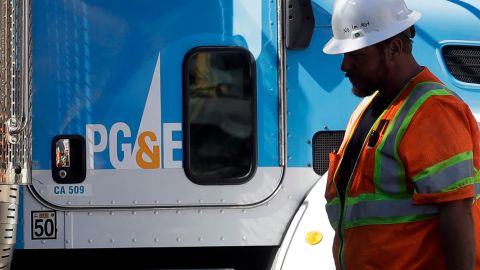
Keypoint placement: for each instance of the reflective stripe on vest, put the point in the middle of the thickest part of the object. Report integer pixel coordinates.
(477, 183)
(448, 175)
(333, 212)
(389, 173)
(368, 211)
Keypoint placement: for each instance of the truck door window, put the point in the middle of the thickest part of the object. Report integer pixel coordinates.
(219, 97)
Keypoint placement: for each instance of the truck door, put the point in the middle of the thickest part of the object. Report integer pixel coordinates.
(155, 103)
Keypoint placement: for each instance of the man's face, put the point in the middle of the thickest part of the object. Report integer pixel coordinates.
(367, 70)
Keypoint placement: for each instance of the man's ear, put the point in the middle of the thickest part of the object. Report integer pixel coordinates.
(395, 48)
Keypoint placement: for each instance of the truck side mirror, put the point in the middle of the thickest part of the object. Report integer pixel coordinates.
(299, 24)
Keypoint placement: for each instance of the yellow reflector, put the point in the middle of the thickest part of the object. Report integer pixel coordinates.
(314, 237)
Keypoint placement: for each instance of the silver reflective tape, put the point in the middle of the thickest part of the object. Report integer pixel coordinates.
(477, 188)
(333, 212)
(444, 178)
(387, 209)
(389, 167)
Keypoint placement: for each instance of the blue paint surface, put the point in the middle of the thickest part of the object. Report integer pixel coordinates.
(94, 60)
(319, 96)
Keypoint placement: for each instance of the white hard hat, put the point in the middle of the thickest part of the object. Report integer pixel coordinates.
(357, 24)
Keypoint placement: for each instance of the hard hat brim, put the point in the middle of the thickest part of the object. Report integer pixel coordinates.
(339, 46)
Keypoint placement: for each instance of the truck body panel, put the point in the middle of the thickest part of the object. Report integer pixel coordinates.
(191, 125)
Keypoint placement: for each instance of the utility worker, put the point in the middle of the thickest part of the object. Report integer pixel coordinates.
(401, 188)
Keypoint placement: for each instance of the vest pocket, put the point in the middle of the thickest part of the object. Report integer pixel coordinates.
(362, 179)
(330, 191)
(368, 166)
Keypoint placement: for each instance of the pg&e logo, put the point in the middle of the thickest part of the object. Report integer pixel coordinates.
(145, 153)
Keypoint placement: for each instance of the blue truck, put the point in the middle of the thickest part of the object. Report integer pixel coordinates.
(184, 134)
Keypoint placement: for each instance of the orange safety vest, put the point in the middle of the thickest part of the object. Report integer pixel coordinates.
(427, 152)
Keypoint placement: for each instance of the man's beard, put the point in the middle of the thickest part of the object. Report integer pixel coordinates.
(368, 87)
(363, 92)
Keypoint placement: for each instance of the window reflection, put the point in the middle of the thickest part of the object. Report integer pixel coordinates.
(62, 153)
(221, 87)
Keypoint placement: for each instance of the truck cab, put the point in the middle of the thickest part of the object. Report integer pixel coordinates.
(184, 134)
